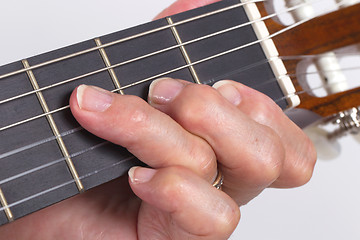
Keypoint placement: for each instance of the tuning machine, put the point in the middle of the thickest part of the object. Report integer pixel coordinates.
(347, 122)
(325, 134)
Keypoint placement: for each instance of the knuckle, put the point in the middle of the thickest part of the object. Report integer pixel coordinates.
(205, 159)
(228, 221)
(269, 158)
(174, 187)
(264, 111)
(132, 120)
(197, 105)
(305, 163)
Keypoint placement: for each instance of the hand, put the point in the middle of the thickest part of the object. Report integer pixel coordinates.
(235, 128)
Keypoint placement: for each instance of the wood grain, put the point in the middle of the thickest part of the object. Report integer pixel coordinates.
(320, 35)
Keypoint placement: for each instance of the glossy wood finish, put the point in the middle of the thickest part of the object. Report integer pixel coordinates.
(320, 35)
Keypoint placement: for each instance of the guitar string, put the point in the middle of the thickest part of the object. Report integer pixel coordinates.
(2, 209)
(82, 177)
(66, 183)
(152, 54)
(170, 71)
(103, 143)
(49, 164)
(209, 82)
(84, 151)
(293, 75)
(11, 205)
(169, 26)
(316, 56)
(342, 2)
(115, 90)
(38, 143)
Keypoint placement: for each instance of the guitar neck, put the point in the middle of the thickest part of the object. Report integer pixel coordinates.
(47, 157)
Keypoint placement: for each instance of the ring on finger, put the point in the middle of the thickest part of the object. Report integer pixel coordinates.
(219, 180)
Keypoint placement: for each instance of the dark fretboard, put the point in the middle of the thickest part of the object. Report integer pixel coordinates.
(35, 164)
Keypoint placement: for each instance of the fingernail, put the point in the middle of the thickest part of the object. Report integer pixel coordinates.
(141, 175)
(228, 91)
(164, 90)
(93, 99)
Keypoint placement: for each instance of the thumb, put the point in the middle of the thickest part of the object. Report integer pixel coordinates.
(189, 205)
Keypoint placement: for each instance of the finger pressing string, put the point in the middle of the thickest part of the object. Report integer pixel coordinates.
(149, 134)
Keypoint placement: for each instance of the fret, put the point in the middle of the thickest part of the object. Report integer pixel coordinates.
(248, 66)
(146, 67)
(108, 64)
(51, 158)
(272, 54)
(18, 110)
(102, 155)
(6, 207)
(58, 96)
(22, 193)
(183, 50)
(25, 150)
(53, 127)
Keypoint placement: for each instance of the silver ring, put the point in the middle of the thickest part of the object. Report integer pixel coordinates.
(219, 180)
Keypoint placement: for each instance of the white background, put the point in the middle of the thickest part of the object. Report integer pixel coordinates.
(326, 208)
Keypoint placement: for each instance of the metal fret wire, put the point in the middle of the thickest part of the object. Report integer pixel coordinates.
(82, 177)
(65, 184)
(104, 143)
(52, 163)
(158, 75)
(130, 38)
(152, 54)
(114, 90)
(32, 145)
(87, 175)
(78, 129)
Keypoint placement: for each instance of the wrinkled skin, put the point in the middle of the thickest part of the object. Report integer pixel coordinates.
(235, 128)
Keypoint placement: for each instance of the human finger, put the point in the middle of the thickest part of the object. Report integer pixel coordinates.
(181, 205)
(183, 5)
(300, 153)
(251, 154)
(150, 135)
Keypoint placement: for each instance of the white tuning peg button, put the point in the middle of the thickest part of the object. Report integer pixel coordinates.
(357, 137)
(327, 149)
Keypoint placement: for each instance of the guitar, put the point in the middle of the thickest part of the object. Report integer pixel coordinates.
(310, 101)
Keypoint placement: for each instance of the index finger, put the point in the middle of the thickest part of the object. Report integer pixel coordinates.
(152, 136)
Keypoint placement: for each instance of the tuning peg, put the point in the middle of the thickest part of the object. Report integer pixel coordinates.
(357, 137)
(327, 149)
(346, 3)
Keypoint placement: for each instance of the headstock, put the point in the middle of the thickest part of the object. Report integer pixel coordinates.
(316, 40)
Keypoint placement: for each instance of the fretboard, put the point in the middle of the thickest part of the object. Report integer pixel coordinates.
(46, 157)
